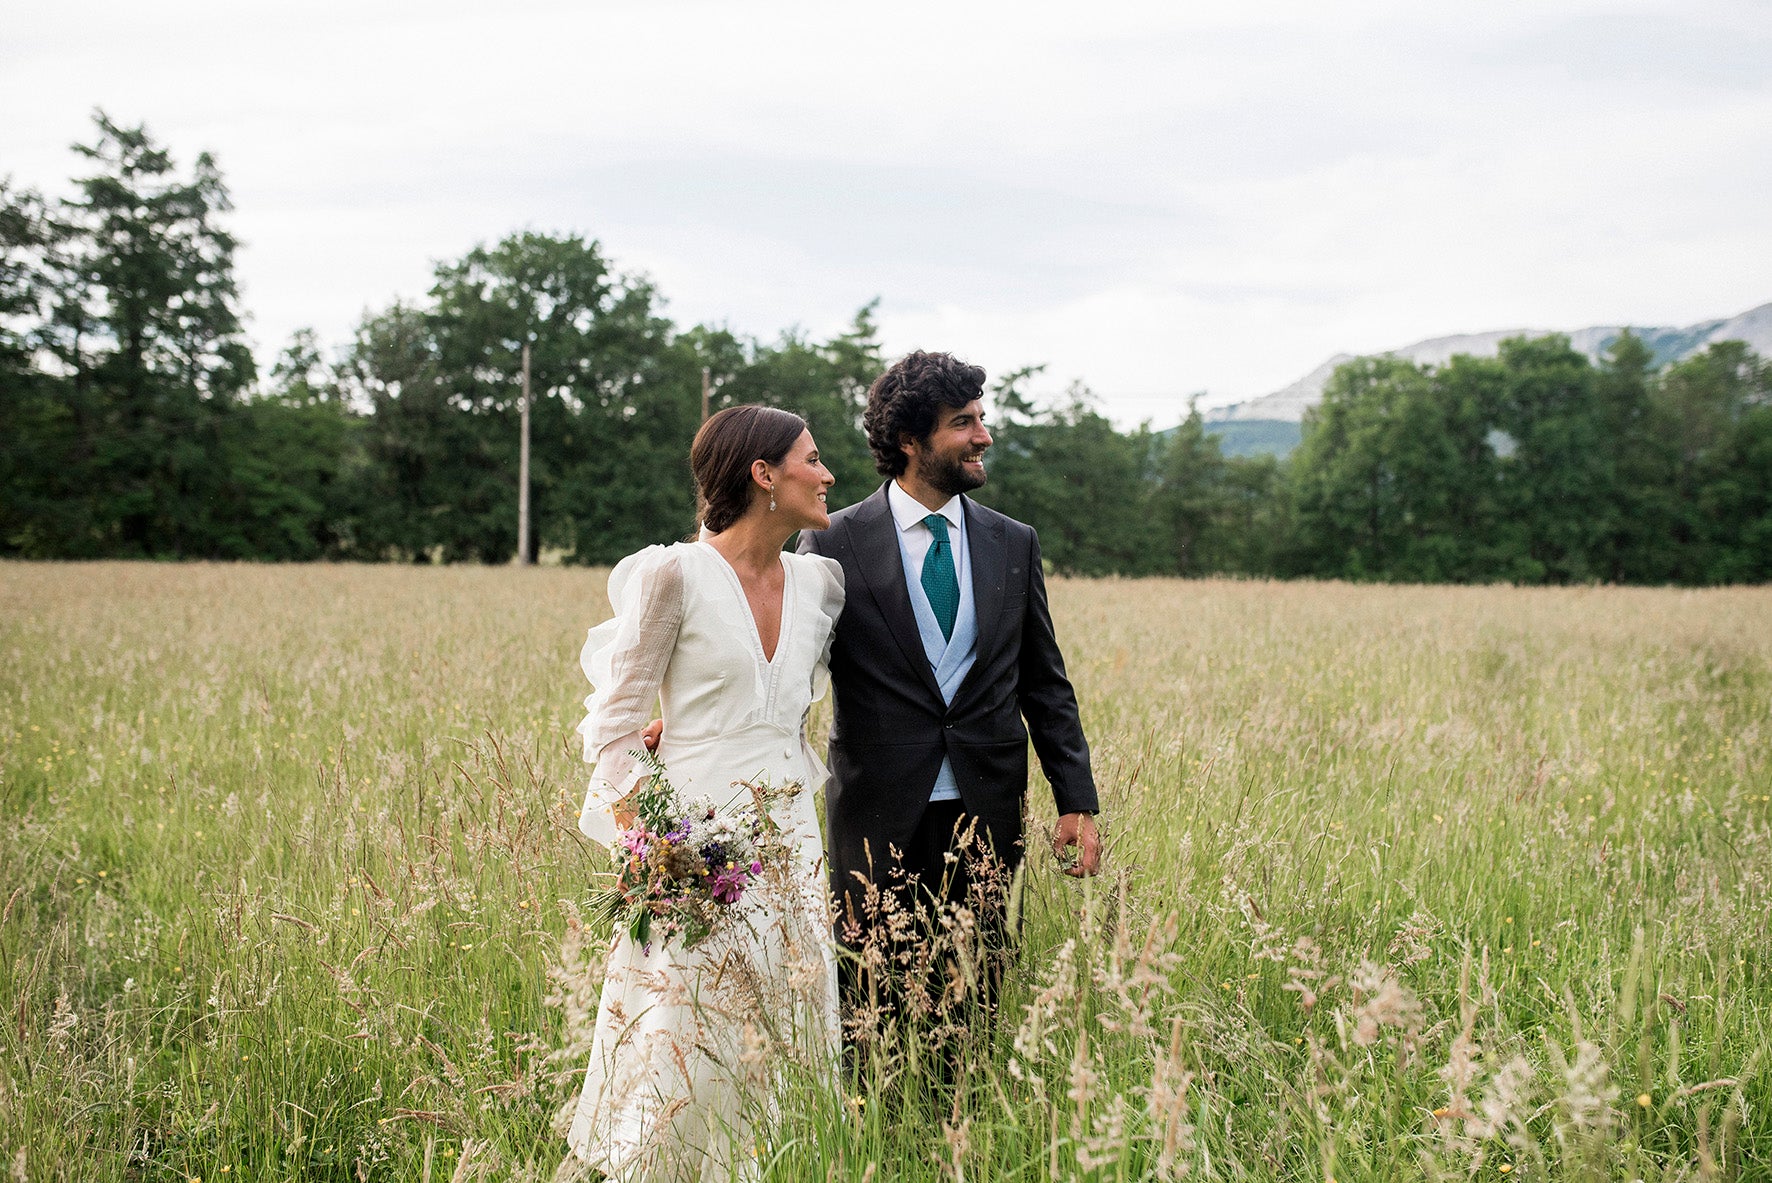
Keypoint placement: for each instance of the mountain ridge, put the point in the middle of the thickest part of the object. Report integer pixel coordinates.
(1666, 344)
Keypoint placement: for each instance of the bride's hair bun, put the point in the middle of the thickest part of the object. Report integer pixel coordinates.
(722, 454)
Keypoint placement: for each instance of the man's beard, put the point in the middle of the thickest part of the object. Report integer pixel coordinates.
(946, 474)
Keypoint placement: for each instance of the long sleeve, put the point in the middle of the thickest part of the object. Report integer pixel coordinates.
(625, 658)
(830, 606)
(1049, 704)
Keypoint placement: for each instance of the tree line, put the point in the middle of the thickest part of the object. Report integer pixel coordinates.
(135, 423)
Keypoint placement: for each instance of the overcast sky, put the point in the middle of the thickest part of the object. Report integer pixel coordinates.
(1157, 199)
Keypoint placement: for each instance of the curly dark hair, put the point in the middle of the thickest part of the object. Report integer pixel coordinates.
(722, 454)
(906, 400)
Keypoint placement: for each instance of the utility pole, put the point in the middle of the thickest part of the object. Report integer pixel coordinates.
(706, 390)
(524, 558)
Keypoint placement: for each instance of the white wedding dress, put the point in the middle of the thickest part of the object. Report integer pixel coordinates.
(690, 1043)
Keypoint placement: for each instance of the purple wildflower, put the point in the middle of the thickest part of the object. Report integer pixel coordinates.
(728, 884)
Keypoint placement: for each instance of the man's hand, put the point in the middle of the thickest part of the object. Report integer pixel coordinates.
(650, 736)
(1078, 829)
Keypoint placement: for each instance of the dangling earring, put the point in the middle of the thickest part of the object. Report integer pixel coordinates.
(771, 498)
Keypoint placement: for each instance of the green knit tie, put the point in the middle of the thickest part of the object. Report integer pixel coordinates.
(940, 583)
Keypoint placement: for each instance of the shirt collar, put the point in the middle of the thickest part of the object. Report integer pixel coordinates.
(907, 511)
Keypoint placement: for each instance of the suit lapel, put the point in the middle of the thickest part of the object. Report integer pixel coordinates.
(882, 569)
(988, 555)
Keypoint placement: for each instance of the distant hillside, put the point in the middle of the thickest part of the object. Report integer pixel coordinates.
(1255, 437)
(1289, 403)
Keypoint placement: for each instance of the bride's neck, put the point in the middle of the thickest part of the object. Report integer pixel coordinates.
(751, 545)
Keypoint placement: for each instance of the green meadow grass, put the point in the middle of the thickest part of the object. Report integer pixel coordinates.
(1402, 883)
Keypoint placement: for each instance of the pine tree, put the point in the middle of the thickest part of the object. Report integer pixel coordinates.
(144, 330)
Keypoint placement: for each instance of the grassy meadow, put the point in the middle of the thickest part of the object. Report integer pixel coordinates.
(1402, 883)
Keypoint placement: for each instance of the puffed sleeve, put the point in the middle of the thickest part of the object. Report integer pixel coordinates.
(829, 584)
(830, 606)
(625, 658)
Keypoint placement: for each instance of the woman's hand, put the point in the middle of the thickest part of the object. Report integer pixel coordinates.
(624, 813)
(624, 809)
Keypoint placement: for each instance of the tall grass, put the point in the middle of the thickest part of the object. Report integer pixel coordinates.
(1402, 883)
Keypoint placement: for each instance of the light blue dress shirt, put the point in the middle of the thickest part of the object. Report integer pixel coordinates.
(949, 657)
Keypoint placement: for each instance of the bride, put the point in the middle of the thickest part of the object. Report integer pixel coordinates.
(731, 634)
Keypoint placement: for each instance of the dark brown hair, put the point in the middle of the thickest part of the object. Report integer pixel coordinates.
(908, 398)
(722, 454)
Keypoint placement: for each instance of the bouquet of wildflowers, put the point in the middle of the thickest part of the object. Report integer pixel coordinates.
(681, 864)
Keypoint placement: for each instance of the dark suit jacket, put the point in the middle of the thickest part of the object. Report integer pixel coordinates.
(891, 728)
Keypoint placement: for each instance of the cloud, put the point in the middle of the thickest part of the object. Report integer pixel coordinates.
(1156, 198)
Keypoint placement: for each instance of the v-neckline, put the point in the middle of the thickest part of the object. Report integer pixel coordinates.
(744, 601)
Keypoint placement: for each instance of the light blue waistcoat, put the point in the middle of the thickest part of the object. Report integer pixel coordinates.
(950, 658)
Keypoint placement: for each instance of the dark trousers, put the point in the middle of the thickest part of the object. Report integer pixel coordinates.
(929, 949)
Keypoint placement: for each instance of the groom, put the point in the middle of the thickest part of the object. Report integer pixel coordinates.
(944, 662)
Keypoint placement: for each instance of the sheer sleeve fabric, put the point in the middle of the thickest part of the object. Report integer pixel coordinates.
(625, 658)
